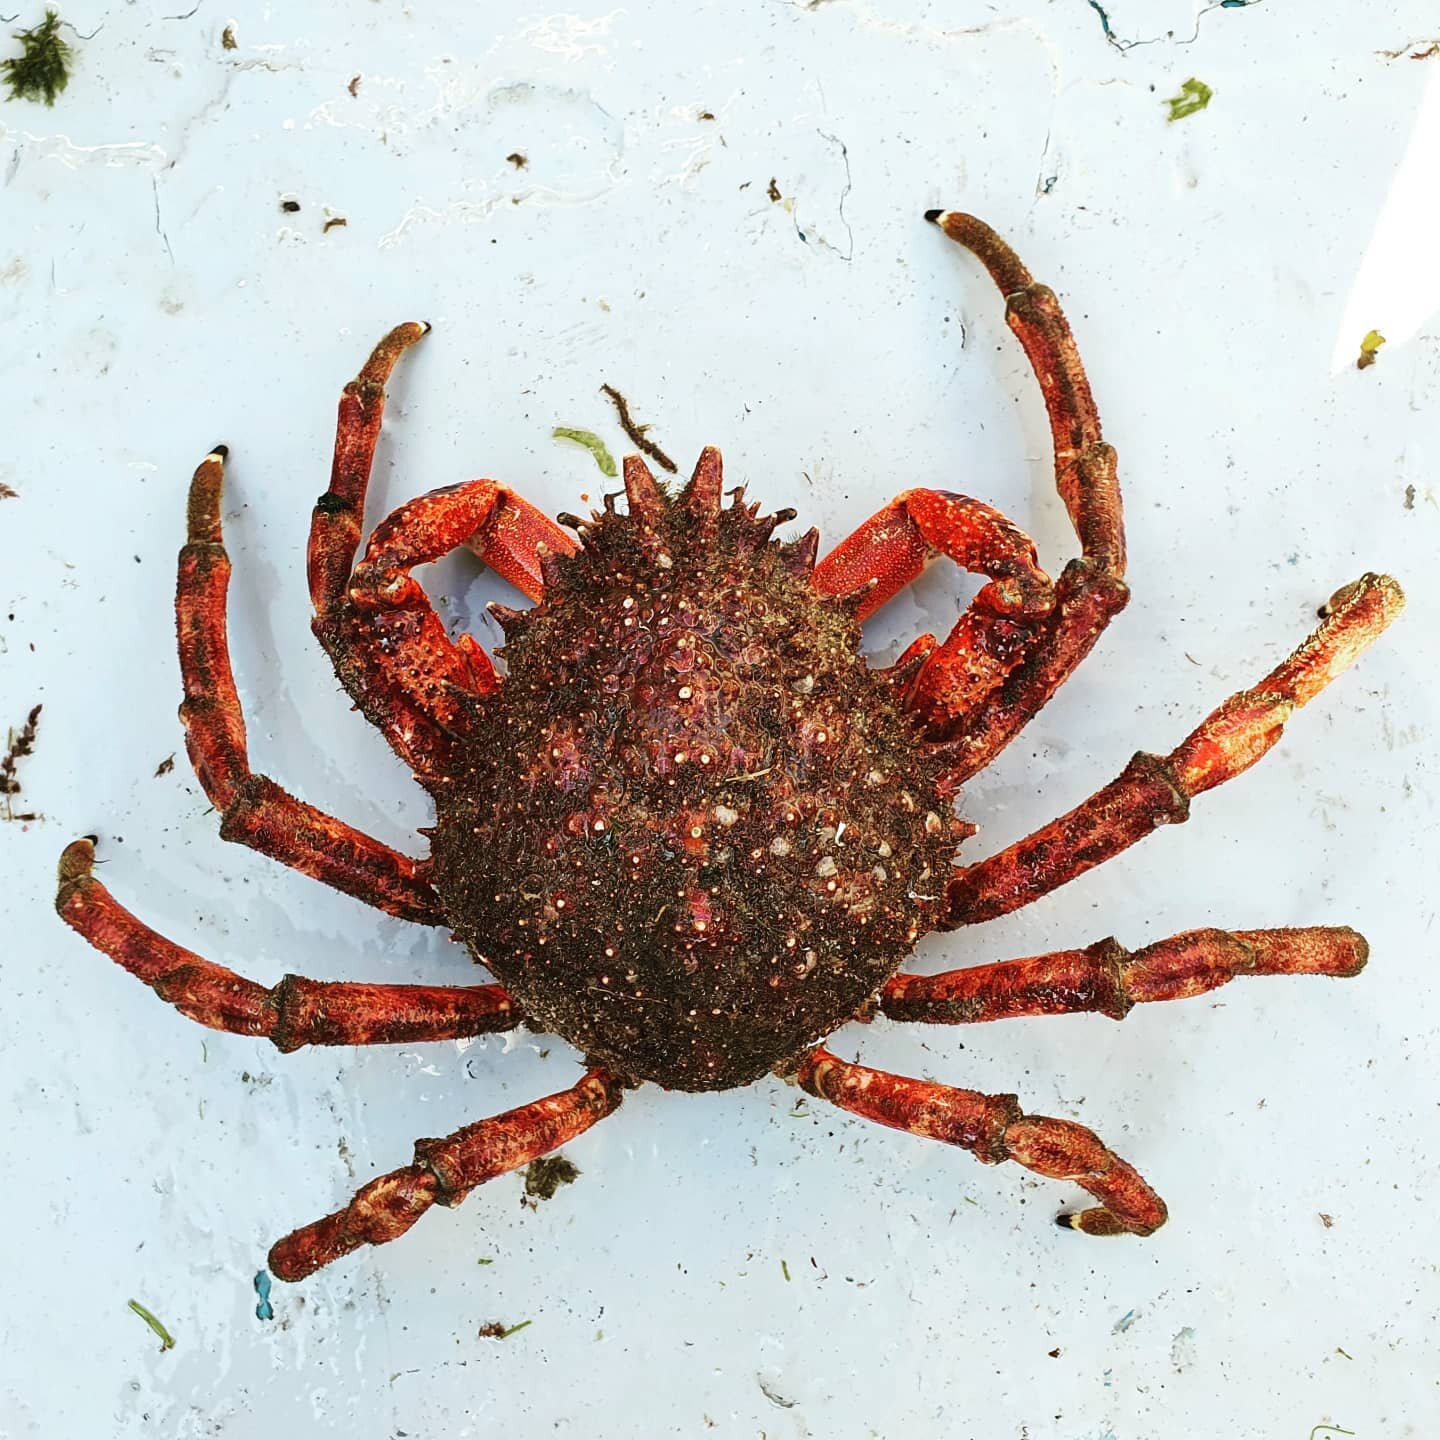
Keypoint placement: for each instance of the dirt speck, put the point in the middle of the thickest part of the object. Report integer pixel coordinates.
(290, 207)
(165, 766)
(354, 86)
(227, 38)
(773, 191)
(518, 158)
(332, 223)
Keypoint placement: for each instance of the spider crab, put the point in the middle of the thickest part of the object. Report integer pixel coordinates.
(691, 830)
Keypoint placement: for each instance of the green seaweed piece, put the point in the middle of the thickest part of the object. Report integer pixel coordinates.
(42, 69)
(593, 443)
(167, 1340)
(1333, 1429)
(545, 1176)
(1194, 95)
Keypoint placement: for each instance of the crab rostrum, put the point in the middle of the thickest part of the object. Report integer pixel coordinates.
(691, 829)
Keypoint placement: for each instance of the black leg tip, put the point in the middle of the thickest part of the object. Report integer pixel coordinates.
(221, 450)
(933, 216)
(1066, 1221)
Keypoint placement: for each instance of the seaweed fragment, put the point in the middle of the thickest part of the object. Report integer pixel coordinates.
(637, 434)
(18, 745)
(42, 69)
(1194, 95)
(1369, 349)
(167, 1340)
(545, 1176)
(498, 1330)
(593, 443)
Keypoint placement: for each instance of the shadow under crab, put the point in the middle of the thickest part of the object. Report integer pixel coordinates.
(691, 830)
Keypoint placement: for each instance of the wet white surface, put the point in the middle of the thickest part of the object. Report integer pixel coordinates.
(1219, 272)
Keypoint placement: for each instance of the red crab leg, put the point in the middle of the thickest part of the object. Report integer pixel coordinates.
(1156, 790)
(445, 1172)
(891, 548)
(390, 649)
(255, 810)
(994, 1128)
(1110, 980)
(1091, 589)
(293, 1013)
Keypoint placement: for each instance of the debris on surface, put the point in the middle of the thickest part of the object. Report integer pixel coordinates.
(6, 493)
(290, 207)
(1125, 1322)
(264, 1310)
(593, 443)
(775, 1399)
(332, 222)
(1329, 1429)
(637, 434)
(1123, 45)
(167, 1340)
(1194, 95)
(1326, 1220)
(1414, 50)
(518, 158)
(785, 1269)
(545, 1176)
(1409, 497)
(165, 766)
(706, 115)
(42, 69)
(1369, 349)
(227, 38)
(1182, 1350)
(496, 1330)
(354, 86)
(18, 745)
(773, 191)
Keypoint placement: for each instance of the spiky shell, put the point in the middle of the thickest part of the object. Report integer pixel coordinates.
(693, 831)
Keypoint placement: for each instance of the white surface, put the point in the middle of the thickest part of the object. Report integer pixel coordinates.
(154, 300)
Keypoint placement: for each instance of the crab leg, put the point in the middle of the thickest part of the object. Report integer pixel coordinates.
(291, 1014)
(993, 1128)
(445, 1172)
(255, 811)
(1110, 980)
(390, 649)
(1156, 790)
(890, 550)
(1091, 590)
